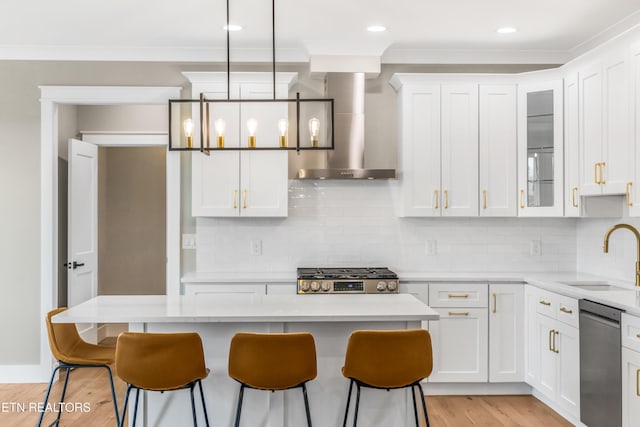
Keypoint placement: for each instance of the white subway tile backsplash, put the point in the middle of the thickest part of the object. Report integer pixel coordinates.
(349, 223)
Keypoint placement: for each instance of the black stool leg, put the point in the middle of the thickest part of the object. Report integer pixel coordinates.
(204, 406)
(424, 404)
(135, 407)
(239, 410)
(193, 406)
(46, 396)
(64, 392)
(346, 411)
(415, 407)
(355, 416)
(113, 392)
(306, 404)
(124, 406)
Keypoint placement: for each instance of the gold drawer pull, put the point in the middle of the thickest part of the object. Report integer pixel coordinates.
(458, 295)
(602, 165)
(627, 196)
(235, 199)
(446, 199)
(495, 303)
(484, 199)
(543, 302)
(574, 190)
(638, 382)
(595, 173)
(244, 198)
(550, 347)
(437, 197)
(458, 313)
(555, 349)
(521, 199)
(566, 310)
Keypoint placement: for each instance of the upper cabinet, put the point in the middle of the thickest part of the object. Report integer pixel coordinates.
(606, 145)
(632, 188)
(243, 183)
(540, 149)
(571, 146)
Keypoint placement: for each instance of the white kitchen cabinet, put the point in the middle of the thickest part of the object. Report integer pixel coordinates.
(540, 149)
(531, 359)
(632, 187)
(242, 183)
(497, 150)
(571, 146)
(630, 388)
(506, 332)
(605, 126)
(459, 150)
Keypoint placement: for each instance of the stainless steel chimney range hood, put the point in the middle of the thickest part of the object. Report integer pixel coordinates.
(346, 161)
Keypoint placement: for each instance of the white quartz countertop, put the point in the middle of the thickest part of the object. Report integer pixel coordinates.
(247, 308)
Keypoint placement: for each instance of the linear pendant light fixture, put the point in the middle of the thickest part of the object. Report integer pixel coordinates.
(254, 115)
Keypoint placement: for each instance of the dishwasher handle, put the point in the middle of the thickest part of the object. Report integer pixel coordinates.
(599, 319)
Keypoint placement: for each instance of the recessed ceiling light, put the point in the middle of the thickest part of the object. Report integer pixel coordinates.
(376, 28)
(232, 27)
(507, 30)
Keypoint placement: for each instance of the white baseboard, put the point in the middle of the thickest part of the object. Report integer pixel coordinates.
(10, 374)
(439, 389)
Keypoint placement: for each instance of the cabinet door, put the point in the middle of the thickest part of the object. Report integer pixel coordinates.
(591, 135)
(548, 373)
(567, 346)
(571, 147)
(418, 290)
(532, 336)
(460, 150)
(540, 149)
(498, 140)
(215, 184)
(630, 388)
(263, 184)
(618, 147)
(506, 331)
(459, 345)
(420, 150)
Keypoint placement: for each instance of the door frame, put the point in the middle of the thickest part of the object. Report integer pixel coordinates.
(51, 98)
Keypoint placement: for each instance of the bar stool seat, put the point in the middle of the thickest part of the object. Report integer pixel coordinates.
(272, 362)
(161, 362)
(367, 364)
(72, 352)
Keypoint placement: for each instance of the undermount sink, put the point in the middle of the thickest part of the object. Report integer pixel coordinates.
(594, 286)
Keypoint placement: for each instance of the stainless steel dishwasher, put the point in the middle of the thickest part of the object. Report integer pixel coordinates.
(600, 365)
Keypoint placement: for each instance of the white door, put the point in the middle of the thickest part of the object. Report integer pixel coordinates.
(571, 147)
(591, 134)
(630, 388)
(547, 359)
(506, 331)
(567, 347)
(82, 259)
(460, 150)
(498, 141)
(263, 184)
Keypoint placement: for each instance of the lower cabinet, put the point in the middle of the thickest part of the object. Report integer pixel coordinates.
(506, 332)
(630, 388)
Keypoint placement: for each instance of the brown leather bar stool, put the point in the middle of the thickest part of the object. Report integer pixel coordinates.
(72, 352)
(161, 362)
(272, 362)
(367, 363)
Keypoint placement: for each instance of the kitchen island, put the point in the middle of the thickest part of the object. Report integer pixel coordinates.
(330, 318)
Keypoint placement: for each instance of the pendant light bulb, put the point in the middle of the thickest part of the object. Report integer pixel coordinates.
(283, 125)
(219, 126)
(188, 132)
(252, 125)
(314, 129)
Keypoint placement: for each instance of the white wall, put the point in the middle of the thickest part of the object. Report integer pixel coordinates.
(349, 223)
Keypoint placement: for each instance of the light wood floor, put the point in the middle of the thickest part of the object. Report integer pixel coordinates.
(91, 385)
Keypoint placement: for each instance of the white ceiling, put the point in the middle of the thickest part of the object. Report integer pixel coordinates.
(418, 30)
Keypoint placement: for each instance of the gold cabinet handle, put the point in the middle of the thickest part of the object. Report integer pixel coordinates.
(446, 199)
(574, 190)
(484, 199)
(555, 349)
(602, 165)
(521, 198)
(550, 333)
(543, 302)
(458, 313)
(627, 195)
(495, 303)
(437, 198)
(595, 173)
(638, 382)
(458, 295)
(566, 310)
(235, 199)
(244, 198)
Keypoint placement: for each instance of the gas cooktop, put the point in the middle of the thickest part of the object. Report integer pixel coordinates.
(372, 280)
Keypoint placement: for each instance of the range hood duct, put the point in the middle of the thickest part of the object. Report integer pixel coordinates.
(346, 161)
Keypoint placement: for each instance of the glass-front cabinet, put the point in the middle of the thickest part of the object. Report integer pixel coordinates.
(540, 149)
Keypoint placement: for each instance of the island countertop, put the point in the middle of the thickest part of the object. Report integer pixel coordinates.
(247, 308)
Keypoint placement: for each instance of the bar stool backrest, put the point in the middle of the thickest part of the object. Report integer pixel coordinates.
(160, 362)
(272, 361)
(63, 337)
(389, 359)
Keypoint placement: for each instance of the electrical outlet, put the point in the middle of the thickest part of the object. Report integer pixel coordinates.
(256, 247)
(188, 241)
(536, 247)
(430, 247)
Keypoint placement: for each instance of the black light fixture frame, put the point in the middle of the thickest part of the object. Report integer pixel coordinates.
(205, 146)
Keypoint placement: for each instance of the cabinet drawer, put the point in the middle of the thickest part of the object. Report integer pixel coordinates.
(631, 332)
(567, 310)
(547, 303)
(458, 294)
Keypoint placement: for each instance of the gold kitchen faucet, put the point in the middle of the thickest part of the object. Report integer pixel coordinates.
(635, 233)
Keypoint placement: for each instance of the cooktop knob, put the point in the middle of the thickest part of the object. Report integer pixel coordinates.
(392, 286)
(304, 286)
(381, 286)
(326, 286)
(315, 286)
